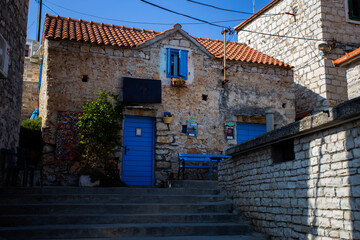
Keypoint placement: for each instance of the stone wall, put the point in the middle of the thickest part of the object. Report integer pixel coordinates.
(353, 79)
(30, 95)
(319, 83)
(13, 21)
(251, 89)
(316, 195)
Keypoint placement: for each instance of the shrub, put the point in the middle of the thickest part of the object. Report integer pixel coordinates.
(99, 127)
(31, 137)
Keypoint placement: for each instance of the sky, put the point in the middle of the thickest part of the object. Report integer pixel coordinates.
(137, 14)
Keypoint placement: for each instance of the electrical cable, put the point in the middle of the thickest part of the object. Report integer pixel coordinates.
(151, 23)
(37, 1)
(202, 21)
(181, 14)
(30, 25)
(50, 9)
(282, 36)
(230, 10)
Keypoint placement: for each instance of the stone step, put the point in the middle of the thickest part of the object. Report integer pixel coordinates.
(109, 198)
(57, 219)
(134, 208)
(252, 236)
(124, 230)
(194, 184)
(6, 191)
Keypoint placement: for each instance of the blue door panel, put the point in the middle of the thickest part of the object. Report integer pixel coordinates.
(137, 168)
(247, 131)
(138, 161)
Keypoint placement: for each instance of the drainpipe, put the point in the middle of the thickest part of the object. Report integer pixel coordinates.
(269, 113)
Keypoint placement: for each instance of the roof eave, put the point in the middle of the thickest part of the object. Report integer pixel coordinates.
(347, 59)
(255, 15)
(177, 28)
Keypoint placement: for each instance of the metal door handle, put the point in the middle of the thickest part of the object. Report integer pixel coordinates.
(126, 149)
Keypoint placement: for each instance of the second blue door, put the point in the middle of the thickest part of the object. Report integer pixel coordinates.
(247, 131)
(138, 151)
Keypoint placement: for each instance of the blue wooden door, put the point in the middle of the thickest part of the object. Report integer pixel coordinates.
(138, 151)
(247, 131)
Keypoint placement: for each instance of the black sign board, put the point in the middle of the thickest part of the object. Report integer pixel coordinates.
(136, 90)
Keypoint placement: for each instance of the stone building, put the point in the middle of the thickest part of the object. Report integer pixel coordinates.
(351, 62)
(301, 181)
(13, 21)
(81, 57)
(30, 93)
(332, 26)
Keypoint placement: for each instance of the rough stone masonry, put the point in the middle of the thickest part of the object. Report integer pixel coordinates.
(251, 89)
(315, 195)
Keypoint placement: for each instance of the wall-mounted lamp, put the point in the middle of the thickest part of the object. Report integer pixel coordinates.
(326, 47)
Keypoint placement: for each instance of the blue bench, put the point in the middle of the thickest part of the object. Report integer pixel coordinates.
(188, 160)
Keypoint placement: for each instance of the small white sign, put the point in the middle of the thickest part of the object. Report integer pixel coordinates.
(138, 132)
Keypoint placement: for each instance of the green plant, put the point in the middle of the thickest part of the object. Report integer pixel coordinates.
(99, 127)
(31, 138)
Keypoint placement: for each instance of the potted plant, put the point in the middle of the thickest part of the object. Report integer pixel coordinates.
(178, 82)
(167, 117)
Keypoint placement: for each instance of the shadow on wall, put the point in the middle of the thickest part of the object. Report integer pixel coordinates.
(352, 145)
(313, 193)
(306, 99)
(333, 193)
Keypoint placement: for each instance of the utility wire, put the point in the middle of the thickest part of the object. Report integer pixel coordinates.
(37, 1)
(230, 10)
(151, 23)
(50, 9)
(201, 21)
(181, 14)
(282, 36)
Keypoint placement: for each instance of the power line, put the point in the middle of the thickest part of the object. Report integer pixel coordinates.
(151, 23)
(31, 25)
(282, 36)
(197, 19)
(229, 10)
(181, 14)
(50, 9)
(37, 1)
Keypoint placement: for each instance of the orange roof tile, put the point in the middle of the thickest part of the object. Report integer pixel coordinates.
(238, 52)
(57, 27)
(255, 15)
(349, 57)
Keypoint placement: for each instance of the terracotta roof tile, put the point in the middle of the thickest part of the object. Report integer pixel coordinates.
(238, 52)
(56, 27)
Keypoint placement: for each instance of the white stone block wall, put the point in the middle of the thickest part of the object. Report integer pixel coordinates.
(315, 196)
(353, 79)
(319, 83)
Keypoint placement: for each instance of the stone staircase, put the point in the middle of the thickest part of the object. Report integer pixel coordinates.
(188, 210)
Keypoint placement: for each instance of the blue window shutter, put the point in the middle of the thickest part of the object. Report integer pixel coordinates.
(168, 66)
(183, 64)
(41, 67)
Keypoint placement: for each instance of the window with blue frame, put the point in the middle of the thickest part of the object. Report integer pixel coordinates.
(177, 63)
(354, 9)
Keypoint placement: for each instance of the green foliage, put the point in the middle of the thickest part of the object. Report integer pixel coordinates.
(99, 127)
(32, 124)
(31, 138)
